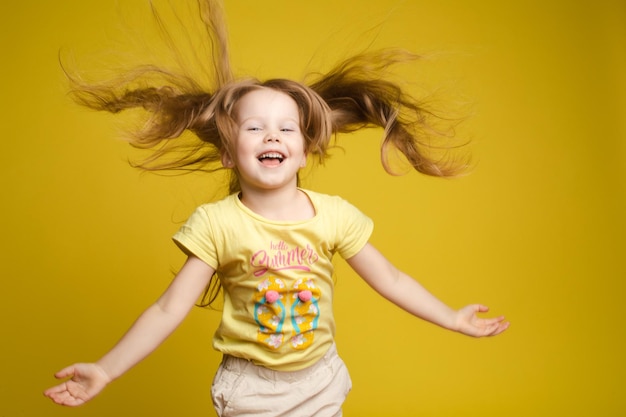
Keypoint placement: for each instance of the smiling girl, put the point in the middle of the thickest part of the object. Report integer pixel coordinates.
(269, 245)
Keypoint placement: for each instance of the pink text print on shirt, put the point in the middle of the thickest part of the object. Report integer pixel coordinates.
(281, 256)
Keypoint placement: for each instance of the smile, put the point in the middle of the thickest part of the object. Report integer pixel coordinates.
(271, 156)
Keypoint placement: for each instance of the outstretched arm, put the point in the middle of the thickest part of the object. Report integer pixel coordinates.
(408, 294)
(154, 325)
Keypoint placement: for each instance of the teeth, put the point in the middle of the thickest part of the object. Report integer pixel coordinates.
(271, 155)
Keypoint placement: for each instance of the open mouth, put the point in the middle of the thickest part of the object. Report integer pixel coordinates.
(271, 158)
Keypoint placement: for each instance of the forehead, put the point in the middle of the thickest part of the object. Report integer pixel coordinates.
(266, 102)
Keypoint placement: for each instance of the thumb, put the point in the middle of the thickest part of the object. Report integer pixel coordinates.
(479, 308)
(65, 372)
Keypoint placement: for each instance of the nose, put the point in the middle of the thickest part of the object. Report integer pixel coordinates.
(272, 137)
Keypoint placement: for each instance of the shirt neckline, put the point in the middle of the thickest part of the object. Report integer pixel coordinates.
(260, 218)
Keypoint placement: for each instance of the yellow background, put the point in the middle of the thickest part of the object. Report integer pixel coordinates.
(537, 232)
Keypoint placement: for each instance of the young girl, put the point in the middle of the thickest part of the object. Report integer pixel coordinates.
(269, 244)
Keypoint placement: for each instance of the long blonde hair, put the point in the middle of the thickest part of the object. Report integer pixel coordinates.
(353, 95)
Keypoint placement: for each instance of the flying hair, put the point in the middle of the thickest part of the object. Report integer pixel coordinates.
(356, 94)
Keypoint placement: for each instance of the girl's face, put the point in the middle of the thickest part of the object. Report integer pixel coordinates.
(268, 149)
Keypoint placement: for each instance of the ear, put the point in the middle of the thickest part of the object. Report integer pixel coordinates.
(304, 158)
(227, 161)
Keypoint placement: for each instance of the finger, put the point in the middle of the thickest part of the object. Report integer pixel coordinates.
(502, 327)
(58, 394)
(498, 328)
(61, 395)
(481, 308)
(72, 401)
(65, 372)
(53, 391)
(60, 398)
(67, 399)
(489, 326)
(493, 320)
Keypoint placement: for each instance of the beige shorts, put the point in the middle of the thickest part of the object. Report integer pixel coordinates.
(241, 388)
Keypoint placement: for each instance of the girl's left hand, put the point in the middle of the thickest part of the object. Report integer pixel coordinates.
(470, 324)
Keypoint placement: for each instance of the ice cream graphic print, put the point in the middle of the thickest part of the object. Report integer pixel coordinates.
(286, 300)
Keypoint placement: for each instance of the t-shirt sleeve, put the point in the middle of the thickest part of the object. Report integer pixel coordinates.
(196, 237)
(354, 229)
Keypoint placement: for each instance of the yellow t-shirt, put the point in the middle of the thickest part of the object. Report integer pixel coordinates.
(276, 276)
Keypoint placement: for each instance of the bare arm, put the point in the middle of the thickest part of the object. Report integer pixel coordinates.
(154, 325)
(408, 294)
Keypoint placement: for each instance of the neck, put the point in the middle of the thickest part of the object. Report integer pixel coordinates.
(284, 204)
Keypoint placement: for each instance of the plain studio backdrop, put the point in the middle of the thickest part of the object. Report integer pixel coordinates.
(537, 231)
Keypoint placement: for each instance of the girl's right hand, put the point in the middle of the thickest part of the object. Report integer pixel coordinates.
(86, 381)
